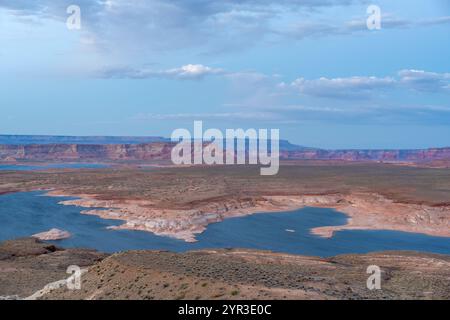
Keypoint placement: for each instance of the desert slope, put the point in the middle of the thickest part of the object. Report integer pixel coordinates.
(26, 266)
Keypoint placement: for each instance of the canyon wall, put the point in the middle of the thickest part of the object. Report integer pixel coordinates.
(424, 155)
(162, 151)
(48, 139)
(94, 152)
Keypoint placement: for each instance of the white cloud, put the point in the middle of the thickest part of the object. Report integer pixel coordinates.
(368, 86)
(425, 81)
(144, 28)
(309, 29)
(186, 72)
(264, 88)
(208, 116)
(352, 87)
(155, 25)
(193, 71)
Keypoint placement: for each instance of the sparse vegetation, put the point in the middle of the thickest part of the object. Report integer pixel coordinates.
(235, 293)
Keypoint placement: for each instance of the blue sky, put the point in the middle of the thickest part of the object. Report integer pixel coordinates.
(308, 67)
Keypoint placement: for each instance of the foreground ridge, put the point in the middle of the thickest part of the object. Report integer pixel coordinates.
(219, 274)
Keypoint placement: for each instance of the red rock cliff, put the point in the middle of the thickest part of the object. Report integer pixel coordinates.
(162, 151)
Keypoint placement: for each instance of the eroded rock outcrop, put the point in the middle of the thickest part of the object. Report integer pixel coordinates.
(365, 211)
(94, 152)
(28, 265)
(52, 234)
(162, 151)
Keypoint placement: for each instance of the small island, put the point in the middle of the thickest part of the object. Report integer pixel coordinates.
(52, 234)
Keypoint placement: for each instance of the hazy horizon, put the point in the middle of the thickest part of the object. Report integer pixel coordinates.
(312, 69)
(168, 138)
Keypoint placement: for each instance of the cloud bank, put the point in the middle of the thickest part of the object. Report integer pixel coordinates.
(186, 72)
(206, 25)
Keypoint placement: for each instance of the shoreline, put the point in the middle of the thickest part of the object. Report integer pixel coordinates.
(365, 211)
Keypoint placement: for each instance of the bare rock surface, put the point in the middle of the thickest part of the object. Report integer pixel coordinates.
(249, 274)
(52, 234)
(182, 202)
(27, 265)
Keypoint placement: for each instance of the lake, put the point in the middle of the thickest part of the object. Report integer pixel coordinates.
(13, 167)
(26, 213)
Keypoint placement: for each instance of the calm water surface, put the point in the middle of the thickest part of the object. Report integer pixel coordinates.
(27, 213)
(52, 166)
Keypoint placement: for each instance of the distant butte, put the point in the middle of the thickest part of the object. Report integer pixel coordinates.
(104, 148)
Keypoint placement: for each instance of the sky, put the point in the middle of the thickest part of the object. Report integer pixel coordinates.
(310, 68)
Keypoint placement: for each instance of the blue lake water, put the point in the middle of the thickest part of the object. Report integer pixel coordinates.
(27, 213)
(13, 167)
